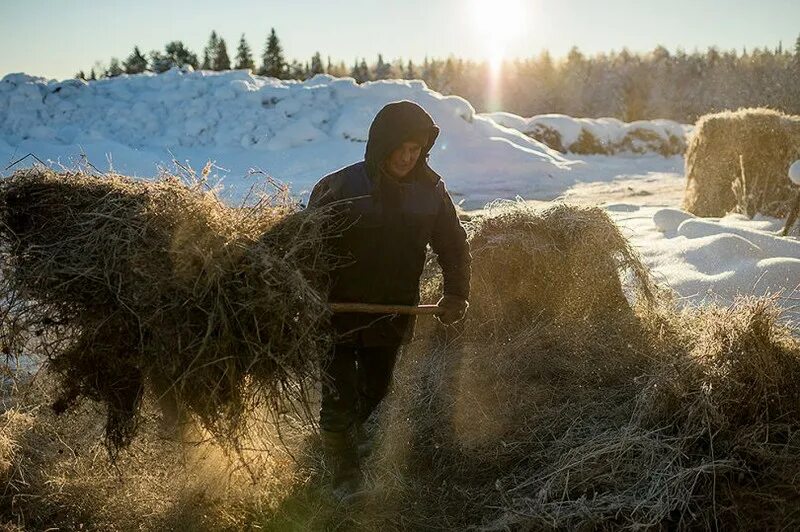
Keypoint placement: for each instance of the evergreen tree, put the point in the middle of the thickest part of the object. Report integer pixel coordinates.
(178, 55)
(114, 68)
(210, 51)
(136, 63)
(92, 75)
(296, 70)
(382, 70)
(449, 76)
(159, 62)
(221, 59)
(316, 65)
(411, 71)
(273, 63)
(244, 57)
(80, 75)
(797, 50)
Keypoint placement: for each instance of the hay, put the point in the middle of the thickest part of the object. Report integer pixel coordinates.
(642, 140)
(574, 396)
(584, 406)
(588, 144)
(548, 136)
(738, 161)
(132, 285)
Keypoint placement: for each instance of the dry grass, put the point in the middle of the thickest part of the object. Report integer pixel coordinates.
(574, 396)
(739, 160)
(62, 477)
(126, 285)
(611, 417)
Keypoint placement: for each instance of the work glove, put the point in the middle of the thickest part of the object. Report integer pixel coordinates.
(454, 309)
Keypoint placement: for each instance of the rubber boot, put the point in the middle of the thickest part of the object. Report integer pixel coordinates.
(342, 459)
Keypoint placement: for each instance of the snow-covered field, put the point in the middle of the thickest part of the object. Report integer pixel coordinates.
(299, 131)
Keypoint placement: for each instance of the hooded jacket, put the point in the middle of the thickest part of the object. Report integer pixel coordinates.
(388, 224)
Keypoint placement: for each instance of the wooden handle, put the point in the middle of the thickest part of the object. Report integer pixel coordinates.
(370, 308)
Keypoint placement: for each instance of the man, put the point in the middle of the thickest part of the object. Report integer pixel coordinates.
(393, 206)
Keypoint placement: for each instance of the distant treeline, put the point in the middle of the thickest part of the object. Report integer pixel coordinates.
(630, 86)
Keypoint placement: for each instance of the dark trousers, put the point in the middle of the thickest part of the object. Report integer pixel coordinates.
(357, 379)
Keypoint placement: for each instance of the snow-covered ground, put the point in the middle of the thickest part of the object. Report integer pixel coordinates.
(706, 260)
(605, 135)
(299, 131)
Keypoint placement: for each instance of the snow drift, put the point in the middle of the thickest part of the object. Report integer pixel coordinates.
(606, 136)
(295, 131)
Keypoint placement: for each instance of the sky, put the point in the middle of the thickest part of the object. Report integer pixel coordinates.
(56, 38)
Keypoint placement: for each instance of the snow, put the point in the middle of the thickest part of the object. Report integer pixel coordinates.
(610, 132)
(299, 131)
(794, 172)
(715, 259)
(293, 131)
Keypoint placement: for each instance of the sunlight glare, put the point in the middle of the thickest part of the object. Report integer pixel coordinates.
(497, 22)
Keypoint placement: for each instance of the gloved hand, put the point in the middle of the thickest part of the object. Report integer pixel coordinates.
(454, 309)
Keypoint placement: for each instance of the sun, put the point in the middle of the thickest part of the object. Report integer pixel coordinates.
(497, 22)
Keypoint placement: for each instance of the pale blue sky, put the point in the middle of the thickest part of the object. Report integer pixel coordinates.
(56, 38)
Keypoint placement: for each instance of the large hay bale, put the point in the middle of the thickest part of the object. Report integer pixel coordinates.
(759, 143)
(571, 408)
(131, 282)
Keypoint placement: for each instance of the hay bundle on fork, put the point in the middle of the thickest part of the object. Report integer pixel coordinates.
(738, 161)
(132, 282)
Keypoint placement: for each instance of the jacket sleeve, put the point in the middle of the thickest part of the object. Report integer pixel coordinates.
(449, 242)
(322, 194)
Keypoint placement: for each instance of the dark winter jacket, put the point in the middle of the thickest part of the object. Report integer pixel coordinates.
(388, 225)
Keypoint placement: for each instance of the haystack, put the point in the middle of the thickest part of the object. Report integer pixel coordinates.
(738, 161)
(134, 286)
(567, 401)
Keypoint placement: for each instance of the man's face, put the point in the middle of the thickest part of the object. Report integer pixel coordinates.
(403, 159)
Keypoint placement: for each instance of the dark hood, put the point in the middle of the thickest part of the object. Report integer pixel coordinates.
(394, 124)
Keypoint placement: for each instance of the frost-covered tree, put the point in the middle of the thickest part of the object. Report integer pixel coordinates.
(210, 51)
(430, 73)
(338, 70)
(244, 57)
(136, 63)
(221, 59)
(273, 63)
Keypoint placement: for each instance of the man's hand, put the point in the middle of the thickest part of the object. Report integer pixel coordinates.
(454, 309)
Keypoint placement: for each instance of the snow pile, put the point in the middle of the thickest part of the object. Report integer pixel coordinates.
(295, 131)
(706, 259)
(605, 136)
